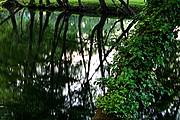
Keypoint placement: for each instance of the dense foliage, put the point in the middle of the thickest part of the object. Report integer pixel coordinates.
(135, 84)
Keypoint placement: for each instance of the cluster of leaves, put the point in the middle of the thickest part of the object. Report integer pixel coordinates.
(134, 82)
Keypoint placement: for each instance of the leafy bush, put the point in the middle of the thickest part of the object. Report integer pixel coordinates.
(134, 83)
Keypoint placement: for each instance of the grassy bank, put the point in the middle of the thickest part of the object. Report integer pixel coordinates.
(89, 6)
(108, 2)
(96, 2)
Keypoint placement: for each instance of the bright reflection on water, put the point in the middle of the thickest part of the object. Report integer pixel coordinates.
(50, 62)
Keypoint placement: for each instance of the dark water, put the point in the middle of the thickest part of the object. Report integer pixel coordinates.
(49, 62)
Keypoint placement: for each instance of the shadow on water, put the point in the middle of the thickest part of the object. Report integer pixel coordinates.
(50, 61)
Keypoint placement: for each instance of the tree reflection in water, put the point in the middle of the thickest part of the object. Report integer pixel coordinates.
(49, 62)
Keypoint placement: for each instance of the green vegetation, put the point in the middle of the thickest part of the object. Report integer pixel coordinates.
(95, 5)
(2, 2)
(108, 2)
(142, 78)
(145, 70)
(36, 40)
(96, 2)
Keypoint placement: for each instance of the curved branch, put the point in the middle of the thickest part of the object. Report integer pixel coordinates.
(127, 7)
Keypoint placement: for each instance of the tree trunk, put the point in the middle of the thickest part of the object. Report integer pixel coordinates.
(13, 19)
(127, 7)
(80, 4)
(103, 5)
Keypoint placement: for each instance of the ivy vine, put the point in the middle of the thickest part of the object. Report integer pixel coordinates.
(134, 83)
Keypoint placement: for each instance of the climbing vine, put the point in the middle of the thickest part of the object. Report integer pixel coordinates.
(134, 84)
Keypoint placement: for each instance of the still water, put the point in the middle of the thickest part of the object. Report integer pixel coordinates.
(51, 60)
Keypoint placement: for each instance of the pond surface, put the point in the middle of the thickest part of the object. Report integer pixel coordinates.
(51, 60)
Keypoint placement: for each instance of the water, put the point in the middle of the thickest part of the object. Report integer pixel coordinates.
(50, 62)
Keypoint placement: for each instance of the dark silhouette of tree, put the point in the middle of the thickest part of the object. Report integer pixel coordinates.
(103, 5)
(99, 28)
(126, 5)
(80, 4)
(13, 19)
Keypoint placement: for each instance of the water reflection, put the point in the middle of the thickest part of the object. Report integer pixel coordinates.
(49, 62)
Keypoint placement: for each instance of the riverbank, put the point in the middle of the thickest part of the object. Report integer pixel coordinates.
(86, 7)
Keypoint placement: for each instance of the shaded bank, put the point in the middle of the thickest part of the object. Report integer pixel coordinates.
(113, 10)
